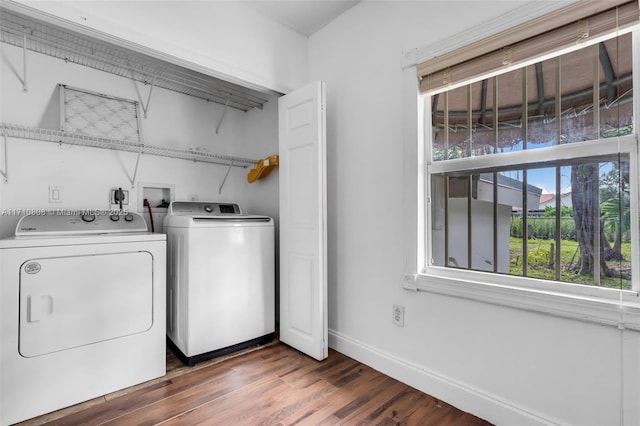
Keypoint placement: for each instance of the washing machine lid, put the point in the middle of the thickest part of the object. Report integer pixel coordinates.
(187, 221)
(202, 214)
(80, 222)
(203, 208)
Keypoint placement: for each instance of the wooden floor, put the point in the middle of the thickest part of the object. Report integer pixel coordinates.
(273, 385)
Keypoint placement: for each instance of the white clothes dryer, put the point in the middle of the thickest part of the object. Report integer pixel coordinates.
(220, 279)
(82, 299)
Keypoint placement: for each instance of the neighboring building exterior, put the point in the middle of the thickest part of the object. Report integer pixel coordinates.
(550, 200)
(509, 199)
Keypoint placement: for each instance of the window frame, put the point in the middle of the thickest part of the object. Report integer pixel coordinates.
(607, 306)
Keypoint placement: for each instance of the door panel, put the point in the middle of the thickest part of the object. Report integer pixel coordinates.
(303, 268)
(66, 302)
(301, 297)
(303, 202)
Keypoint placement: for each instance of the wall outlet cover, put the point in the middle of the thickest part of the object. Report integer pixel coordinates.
(398, 315)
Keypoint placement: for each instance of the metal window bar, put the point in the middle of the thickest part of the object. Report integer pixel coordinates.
(558, 217)
(525, 192)
(525, 225)
(469, 153)
(495, 222)
(469, 222)
(495, 175)
(525, 109)
(596, 125)
(446, 125)
(470, 121)
(446, 220)
(596, 244)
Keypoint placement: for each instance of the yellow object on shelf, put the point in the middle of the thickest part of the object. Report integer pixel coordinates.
(263, 168)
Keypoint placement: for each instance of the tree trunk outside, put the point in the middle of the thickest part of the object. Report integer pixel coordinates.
(585, 186)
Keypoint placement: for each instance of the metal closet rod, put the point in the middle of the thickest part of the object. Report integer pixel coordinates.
(59, 136)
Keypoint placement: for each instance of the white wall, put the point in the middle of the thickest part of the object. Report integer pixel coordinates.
(509, 366)
(505, 365)
(220, 38)
(85, 175)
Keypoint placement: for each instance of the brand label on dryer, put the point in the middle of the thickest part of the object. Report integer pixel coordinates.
(32, 268)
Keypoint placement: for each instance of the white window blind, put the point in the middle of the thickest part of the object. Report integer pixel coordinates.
(582, 23)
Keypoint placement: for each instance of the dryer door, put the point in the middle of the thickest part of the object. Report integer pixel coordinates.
(67, 302)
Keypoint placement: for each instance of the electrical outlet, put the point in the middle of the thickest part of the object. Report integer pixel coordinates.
(55, 194)
(113, 196)
(398, 315)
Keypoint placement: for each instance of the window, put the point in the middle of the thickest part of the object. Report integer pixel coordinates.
(532, 167)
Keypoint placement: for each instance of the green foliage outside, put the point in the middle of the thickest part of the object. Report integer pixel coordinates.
(541, 265)
(565, 211)
(616, 214)
(544, 228)
(542, 245)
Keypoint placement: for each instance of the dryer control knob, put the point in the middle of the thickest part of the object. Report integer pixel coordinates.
(128, 218)
(208, 208)
(88, 218)
(115, 217)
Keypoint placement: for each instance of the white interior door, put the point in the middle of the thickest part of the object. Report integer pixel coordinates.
(303, 214)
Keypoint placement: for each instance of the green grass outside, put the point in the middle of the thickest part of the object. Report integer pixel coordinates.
(539, 266)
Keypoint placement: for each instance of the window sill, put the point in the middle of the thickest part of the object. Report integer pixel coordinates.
(582, 303)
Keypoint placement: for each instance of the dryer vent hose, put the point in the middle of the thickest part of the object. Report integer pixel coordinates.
(146, 203)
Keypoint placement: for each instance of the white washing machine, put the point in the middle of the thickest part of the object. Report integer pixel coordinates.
(220, 279)
(82, 299)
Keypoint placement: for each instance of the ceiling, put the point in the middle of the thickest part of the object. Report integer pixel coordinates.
(304, 16)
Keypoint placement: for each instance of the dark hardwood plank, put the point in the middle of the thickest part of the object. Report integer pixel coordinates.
(295, 401)
(403, 404)
(272, 385)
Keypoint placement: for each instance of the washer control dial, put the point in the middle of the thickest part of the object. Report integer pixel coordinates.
(88, 218)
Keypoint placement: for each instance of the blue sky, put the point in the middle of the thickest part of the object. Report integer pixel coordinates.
(545, 179)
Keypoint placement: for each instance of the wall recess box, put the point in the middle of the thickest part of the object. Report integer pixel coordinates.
(158, 194)
(55, 194)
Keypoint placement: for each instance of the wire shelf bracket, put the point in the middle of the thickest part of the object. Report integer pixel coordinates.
(5, 166)
(226, 105)
(224, 179)
(145, 107)
(24, 63)
(132, 179)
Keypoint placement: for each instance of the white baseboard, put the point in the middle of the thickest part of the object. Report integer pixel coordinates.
(475, 401)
